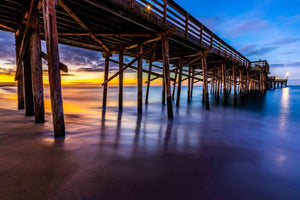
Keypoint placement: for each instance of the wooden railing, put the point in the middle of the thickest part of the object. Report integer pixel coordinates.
(170, 15)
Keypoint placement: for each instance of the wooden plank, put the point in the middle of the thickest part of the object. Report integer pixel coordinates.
(73, 15)
(51, 38)
(36, 66)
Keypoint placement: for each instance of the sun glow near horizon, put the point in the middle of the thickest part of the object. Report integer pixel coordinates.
(75, 78)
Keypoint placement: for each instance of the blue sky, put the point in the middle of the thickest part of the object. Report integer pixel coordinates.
(259, 29)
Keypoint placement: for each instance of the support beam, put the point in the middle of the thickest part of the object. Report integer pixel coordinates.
(179, 82)
(174, 84)
(24, 41)
(130, 63)
(241, 82)
(163, 91)
(51, 39)
(62, 66)
(74, 16)
(234, 80)
(29, 105)
(193, 81)
(189, 84)
(149, 77)
(166, 65)
(121, 62)
(224, 80)
(20, 84)
(106, 68)
(36, 66)
(140, 78)
(205, 85)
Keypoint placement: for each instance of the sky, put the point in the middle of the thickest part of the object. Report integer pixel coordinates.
(259, 29)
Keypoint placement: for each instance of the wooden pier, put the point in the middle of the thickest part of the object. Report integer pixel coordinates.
(158, 31)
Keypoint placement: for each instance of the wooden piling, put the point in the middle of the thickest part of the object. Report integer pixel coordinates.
(29, 105)
(241, 81)
(166, 66)
(192, 84)
(163, 92)
(179, 82)
(51, 38)
(36, 67)
(189, 84)
(205, 85)
(148, 83)
(20, 84)
(224, 80)
(174, 84)
(121, 63)
(140, 79)
(106, 69)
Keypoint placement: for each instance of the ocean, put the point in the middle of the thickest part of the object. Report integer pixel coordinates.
(248, 149)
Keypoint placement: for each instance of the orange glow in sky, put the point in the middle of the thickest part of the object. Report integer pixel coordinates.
(86, 79)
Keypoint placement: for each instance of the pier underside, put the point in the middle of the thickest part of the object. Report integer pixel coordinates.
(175, 44)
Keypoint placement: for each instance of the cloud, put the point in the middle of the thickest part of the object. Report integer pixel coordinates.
(6, 71)
(254, 50)
(248, 26)
(68, 75)
(289, 64)
(284, 41)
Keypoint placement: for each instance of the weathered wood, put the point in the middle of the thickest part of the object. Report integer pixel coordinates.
(241, 82)
(36, 66)
(224, 80)
(140, 79)
(189, 84)
(106, 69)
(179, 82)
(130, 63)
(192, 83)
(24, 41)
(51, 39)
(205, 85)
(166, 65)
(234, 81)
(121, 62)
(149, 77)
(174, 84)
(74, 16)
(163, 91)
(20, 84)
(29, 105)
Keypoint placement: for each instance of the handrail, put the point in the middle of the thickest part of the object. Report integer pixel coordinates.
(188, 27)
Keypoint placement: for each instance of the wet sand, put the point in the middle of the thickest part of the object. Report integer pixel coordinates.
(225, 153)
